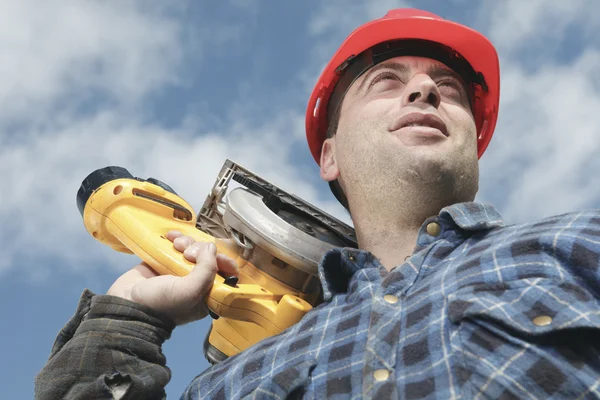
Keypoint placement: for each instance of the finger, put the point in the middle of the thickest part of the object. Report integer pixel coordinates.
(183, 242)
(227, 266)
(172, 235)
(199, 281)
(191, 253)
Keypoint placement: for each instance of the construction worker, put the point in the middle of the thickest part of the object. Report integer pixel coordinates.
(441, 300)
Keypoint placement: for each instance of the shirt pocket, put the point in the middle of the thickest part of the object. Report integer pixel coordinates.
(528, 338)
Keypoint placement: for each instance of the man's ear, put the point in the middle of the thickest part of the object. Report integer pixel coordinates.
(329, 167)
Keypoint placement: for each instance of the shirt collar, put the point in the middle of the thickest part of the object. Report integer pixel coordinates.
(339, 265)
(473, 216)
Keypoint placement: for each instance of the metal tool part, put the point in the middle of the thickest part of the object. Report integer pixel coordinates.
(261, 214)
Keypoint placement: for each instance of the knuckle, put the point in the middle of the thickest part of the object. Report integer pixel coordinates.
(208, 263)
(190, 240)
(197, 246)
(191, 252)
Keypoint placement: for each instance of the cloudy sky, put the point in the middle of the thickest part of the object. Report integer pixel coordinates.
(171, 91)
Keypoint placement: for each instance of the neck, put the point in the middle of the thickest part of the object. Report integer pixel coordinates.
(390, 235)
(387, 220)
(389, 208)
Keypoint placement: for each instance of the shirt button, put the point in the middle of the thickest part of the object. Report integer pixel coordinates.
(390, 298)
(434, 229)
(542, 320)
(381, 375)
(351, 258)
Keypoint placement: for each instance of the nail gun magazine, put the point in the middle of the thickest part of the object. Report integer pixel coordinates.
(276, 239)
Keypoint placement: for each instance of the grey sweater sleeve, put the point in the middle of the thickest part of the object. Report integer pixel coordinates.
(111, 348)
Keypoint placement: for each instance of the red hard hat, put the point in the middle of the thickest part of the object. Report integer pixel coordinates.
(468, 49)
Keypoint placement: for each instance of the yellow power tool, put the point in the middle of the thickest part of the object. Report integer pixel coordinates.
(276, 239)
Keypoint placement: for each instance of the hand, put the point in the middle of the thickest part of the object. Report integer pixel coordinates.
(182, 298)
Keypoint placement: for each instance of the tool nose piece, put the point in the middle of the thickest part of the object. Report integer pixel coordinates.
(96, 179)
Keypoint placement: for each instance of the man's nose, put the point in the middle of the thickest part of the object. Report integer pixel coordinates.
(421, 89)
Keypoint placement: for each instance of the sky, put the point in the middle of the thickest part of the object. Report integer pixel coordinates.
(173, 89)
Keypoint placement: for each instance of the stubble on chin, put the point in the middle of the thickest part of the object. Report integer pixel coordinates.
(413, 181)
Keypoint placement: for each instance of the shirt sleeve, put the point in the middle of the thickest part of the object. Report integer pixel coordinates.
(110, 348)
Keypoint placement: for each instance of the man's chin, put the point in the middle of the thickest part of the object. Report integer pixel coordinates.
(425, 153)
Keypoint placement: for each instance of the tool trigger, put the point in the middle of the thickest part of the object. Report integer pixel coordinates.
(231, 281)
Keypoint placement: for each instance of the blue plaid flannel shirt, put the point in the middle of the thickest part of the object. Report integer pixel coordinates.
(480, 310)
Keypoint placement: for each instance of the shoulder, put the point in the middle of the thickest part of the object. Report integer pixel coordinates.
(572, 220)
(582, 225)
(560, 246)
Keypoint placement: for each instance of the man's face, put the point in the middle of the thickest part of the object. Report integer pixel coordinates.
(409, 115)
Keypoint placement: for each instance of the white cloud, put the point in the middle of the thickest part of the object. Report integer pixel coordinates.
(63, 52)
(345, 16)
(44, 174)
(543, 157)
(517, 25)
(332, 22)
(57, 56)
(541, 160)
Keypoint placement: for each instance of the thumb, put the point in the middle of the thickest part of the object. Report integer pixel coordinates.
(199, 281)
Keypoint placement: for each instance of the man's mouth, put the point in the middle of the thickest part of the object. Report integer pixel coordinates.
(418, 119)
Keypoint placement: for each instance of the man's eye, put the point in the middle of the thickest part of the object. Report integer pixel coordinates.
(449, 83)
(453, 84)
(451, 88)
(384, 76)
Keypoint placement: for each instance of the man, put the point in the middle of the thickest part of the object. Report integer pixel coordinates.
(442, 300)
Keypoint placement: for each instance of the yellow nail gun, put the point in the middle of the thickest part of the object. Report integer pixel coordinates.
(276, 239)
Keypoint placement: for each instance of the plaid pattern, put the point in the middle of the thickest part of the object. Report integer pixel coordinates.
(484, 311)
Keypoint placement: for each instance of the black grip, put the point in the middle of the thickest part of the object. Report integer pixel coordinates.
(96, 179)
(104, 175)
(271, 200)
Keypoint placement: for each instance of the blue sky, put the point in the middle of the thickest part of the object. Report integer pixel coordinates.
(171, 91)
